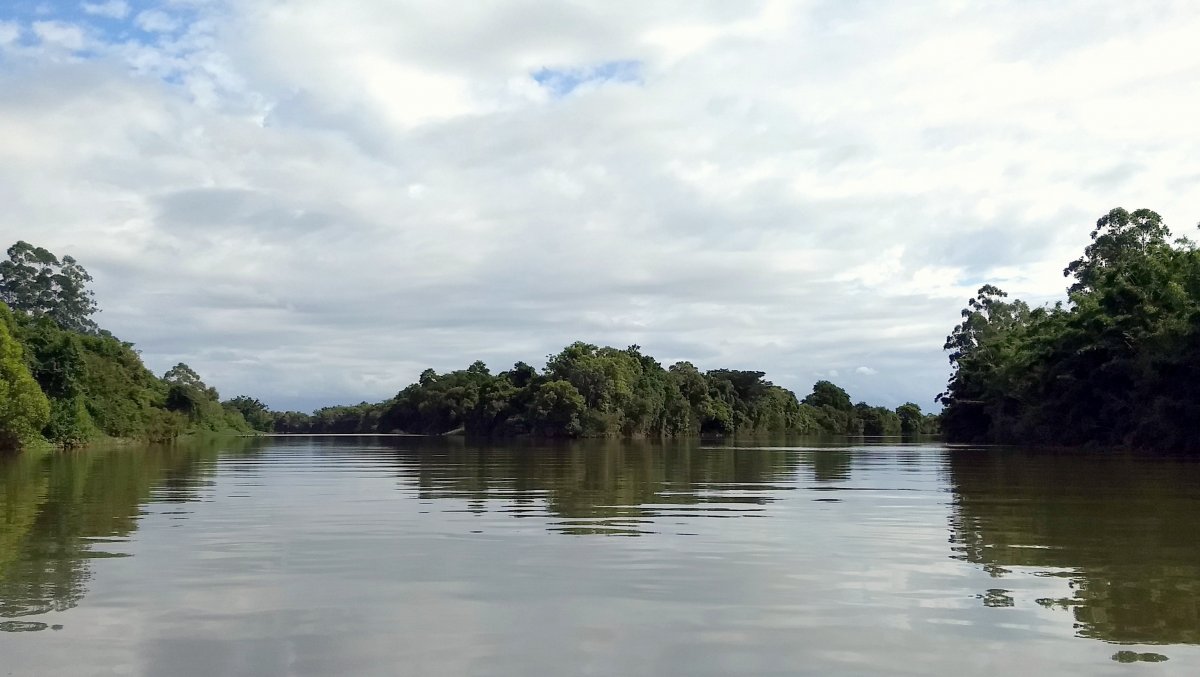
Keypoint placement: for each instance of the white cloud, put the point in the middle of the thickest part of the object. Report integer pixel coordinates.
(59, 34)
(312, 201)
(113, 9)
(10, 31)
(866, 371)
(156, 21)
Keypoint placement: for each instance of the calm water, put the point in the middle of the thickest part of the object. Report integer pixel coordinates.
(345, 556)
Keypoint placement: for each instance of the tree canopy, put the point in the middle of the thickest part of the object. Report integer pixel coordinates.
(588, 390)
(38, 283)
(1117, 364)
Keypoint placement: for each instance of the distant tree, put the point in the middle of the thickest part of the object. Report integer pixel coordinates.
(592, 391)
(521, 375)
(557, 409)
(826, 394)
(877, 421)
(188, 395)
(257, 415)
(747, 385)
(293, 422)
(36, 282)
(931, 424)
(183, 375)
(911, 418)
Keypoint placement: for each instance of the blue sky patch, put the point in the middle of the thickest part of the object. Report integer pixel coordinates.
(562, 81)
(110, 21)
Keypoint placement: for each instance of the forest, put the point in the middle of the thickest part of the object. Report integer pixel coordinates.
(591, 391)
(1115, 365)
(67, 382)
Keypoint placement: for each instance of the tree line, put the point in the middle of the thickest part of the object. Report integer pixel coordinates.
(65, 380)
(591, 391)
(1117, 364)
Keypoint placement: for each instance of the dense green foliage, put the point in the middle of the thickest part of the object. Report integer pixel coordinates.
(80, 383)
(589, 391)
(24, 410)
(98, 387)
(89, 383)
(1118, 364)
(256, 414)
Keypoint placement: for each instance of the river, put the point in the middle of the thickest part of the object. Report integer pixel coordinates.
(409, 556)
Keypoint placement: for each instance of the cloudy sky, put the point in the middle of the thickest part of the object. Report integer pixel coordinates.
(311, 201)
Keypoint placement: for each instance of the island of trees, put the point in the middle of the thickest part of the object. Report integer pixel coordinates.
(66, 381)
(1116, 365)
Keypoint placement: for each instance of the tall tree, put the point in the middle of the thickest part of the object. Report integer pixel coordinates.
(826, 394)
(183, 375)
(186, 393)
(1118, 235)
(36, 282)
(911, 418)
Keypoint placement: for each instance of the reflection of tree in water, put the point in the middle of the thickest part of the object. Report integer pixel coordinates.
(1122, 530)
(53, 507)
(829, 465)
(598, 486)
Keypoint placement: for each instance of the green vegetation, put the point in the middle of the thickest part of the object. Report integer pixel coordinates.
(69, 381)
(98, 387)
(589, 391)
(24, 410)
(1118, 364)
(64, 379)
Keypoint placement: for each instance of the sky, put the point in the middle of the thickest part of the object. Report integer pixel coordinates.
(310, 202)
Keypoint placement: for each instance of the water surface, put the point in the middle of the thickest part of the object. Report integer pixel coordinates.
(387, 556)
